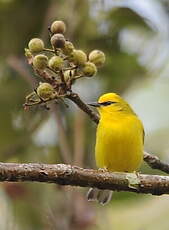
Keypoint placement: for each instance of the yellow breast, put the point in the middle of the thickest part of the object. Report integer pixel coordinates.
(119, 143)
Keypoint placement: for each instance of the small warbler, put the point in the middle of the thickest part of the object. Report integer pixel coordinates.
(119, 140)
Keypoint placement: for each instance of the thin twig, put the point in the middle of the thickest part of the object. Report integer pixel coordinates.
(70, 68)
(56, 72)
(49, 50)
(155, 163)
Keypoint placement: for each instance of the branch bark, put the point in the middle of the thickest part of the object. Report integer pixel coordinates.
(72, 175)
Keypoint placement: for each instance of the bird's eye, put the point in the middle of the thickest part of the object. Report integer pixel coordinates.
(107, 103)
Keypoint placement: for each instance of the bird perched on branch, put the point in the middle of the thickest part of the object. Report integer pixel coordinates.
(119, 140)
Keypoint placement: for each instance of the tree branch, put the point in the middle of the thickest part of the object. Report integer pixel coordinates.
(71, 175)
(155, 163)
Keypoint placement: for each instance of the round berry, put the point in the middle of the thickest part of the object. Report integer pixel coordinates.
(56, 63)
(40, 61)
(97, 57)
(58, 27)
(58, 41)
(68, 48)
(45, 91)
(89, 69)
(78, 57)
(36, 45)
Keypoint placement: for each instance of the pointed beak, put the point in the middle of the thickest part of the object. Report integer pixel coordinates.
(94, 104)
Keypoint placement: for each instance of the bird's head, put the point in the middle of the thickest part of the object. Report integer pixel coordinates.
(110, 103)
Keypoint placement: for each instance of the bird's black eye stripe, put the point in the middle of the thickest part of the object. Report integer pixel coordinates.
(107, 103)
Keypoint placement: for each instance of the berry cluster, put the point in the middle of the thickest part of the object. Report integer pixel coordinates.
(60, 66)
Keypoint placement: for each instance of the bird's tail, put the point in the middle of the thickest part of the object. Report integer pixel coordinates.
(102, 196)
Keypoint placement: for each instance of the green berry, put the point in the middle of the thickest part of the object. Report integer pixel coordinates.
(58, 41)
(58, 27)
(78, 57)
(97, 57)
(89, 69)
(40, 61)
(45, 91)
(56, 63)
(36, 45)
(68, 48)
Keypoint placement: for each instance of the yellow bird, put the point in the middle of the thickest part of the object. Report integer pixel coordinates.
(119, 140)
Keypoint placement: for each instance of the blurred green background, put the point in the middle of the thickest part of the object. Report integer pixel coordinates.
(135, 38)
